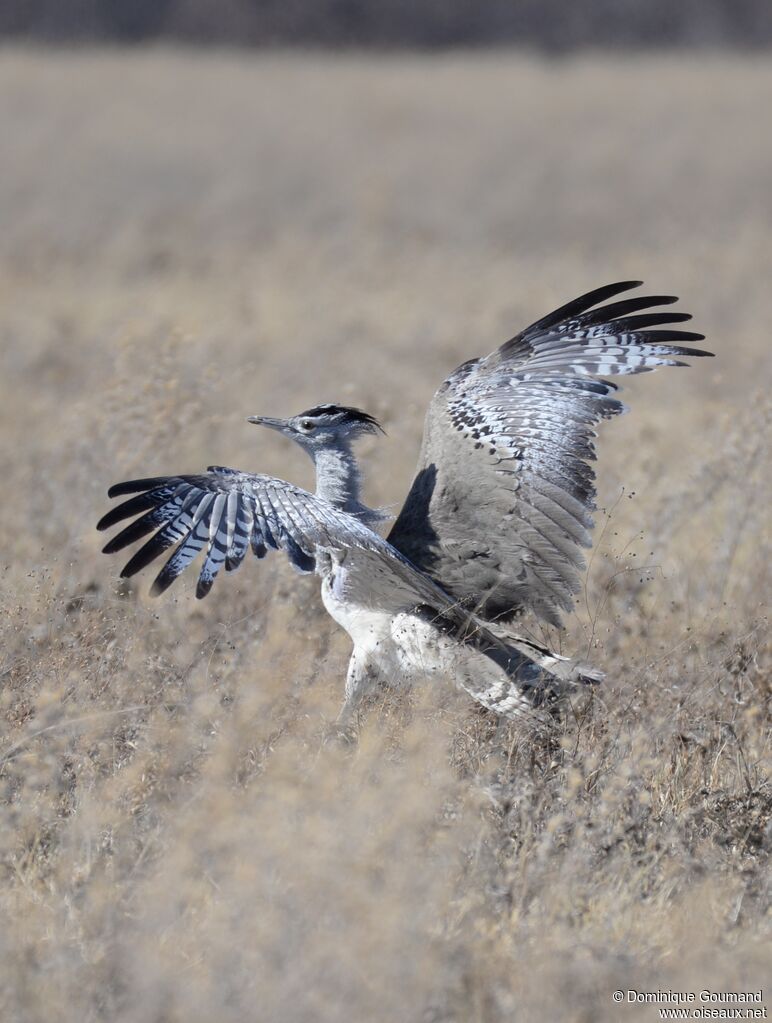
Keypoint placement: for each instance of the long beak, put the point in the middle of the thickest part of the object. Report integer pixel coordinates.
(272, 424)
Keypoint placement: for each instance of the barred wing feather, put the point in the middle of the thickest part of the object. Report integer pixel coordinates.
(501, 504)
(225, 512)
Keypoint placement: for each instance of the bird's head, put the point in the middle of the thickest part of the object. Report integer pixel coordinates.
(322, 426)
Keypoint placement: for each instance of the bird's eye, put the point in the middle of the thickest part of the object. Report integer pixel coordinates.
(306, 424)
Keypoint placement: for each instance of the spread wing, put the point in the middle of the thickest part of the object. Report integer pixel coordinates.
(225, 513)
(501, 504)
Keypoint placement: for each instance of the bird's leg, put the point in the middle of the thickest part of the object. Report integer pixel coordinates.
(361, 678)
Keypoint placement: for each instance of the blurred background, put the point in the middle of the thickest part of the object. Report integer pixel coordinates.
(541, 24)
(215, 210)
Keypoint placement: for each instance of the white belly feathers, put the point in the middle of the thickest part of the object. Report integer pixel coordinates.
(403, 648)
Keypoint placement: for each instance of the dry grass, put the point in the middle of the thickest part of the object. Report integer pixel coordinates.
(189, 240)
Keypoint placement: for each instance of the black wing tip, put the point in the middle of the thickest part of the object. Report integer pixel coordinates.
(104, 523)
(160, 584)
(694, 353)
(579, 305)
(660, 299)
(664, 337)
(126, 537)
(677, 317)
(127, 487)
(604, 292)
(136, 486)
(615, 288)
(147, 553)
(651, 319)
(116, 515)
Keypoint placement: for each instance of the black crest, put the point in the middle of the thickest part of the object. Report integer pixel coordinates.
(345, 414)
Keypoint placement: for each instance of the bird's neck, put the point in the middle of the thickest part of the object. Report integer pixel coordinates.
(339, 481)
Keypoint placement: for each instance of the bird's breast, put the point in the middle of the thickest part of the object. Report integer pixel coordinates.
(369, 629)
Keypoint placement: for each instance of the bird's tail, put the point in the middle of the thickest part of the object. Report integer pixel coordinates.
(567, 670)
(536, 675)
(509, 675)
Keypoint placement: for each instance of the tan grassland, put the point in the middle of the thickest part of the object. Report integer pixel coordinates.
(190, 239)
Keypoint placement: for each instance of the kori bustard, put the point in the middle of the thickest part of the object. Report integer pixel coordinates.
(493, 524)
